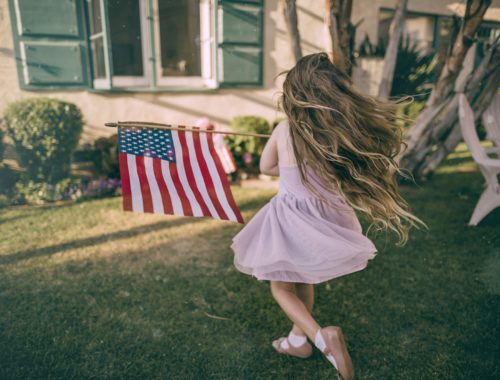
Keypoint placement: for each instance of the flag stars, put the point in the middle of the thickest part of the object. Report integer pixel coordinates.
(155, 143)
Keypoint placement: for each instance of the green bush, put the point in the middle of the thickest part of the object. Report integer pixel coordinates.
(415, 71)
(42, 192)
(2, 146)
(45, 133)
(247, 149)
(106, 156)
(8, 179)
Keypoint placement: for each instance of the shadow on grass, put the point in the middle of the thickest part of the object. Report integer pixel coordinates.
(108, 238)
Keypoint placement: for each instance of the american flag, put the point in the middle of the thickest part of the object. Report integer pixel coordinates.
(225, 155)
(177, 172)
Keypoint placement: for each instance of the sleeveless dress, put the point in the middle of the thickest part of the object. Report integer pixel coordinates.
(297, 237)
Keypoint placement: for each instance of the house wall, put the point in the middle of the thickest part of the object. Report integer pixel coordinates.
(366, 11)
(220, 105)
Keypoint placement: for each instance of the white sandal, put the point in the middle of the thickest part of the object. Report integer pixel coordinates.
(283, 346)
(330, 341)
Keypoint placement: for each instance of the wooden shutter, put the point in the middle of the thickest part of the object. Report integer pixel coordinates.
(240, 43)
(50, 44)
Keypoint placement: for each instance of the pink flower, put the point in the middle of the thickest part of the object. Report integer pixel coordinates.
(247, 158)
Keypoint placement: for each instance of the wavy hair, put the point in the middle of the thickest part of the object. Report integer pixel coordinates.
(350, 140)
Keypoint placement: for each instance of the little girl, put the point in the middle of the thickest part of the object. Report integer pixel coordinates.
(334, 154)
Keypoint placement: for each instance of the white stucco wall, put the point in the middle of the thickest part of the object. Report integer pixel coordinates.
(219, 105)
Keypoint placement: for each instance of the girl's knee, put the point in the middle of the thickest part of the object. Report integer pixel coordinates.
(280, 286)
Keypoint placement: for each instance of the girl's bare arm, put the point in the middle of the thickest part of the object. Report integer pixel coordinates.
(269, 158)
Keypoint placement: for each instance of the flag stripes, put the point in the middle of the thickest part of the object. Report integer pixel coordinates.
(194, 184)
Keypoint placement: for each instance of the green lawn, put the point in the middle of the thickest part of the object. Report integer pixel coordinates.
(90, 292)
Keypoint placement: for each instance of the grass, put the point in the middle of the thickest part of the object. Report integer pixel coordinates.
(90, 292)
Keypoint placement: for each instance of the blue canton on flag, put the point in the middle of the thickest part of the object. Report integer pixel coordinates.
(155, 143)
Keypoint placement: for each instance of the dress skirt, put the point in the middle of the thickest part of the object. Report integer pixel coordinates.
(297, 237)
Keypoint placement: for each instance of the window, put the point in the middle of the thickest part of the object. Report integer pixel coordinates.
(486, 36)
(444, 34)
(184, 35)
(432, 33)
(128, 36)
(96, 37)
(119, 38)
(180, 21)
(418, 28)
(138, 44)
(182, 31)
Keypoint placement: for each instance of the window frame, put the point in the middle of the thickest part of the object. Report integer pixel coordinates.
(218, 70)
(207, 54)
(144, 80)
(437, 18)
(119, 81)
(151, 51)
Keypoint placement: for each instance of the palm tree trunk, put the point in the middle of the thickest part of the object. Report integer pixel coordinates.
(290, 14)
(397, 29)
(447, 143)
(342, 32)
(419, 138)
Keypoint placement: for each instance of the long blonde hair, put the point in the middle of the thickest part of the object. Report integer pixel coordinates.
(349, 139)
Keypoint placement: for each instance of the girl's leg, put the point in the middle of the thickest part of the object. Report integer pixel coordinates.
(332, 344)
(294, 308)
(305, 292)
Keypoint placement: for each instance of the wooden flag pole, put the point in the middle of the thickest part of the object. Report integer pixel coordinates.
(145, 124)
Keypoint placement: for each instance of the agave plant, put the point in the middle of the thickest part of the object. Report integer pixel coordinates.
(415, 71)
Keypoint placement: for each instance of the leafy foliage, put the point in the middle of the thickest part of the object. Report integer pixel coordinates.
(2, 146)
(247, 149)
(415, 69)
(45, 133)
(106, 156)
(414, 72)
(30, 192)
(367, 49)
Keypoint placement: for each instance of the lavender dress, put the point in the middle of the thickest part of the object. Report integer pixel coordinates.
(297, 237)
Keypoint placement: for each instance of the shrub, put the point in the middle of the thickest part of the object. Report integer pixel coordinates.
(66, 189)
(106, 156)
(8, 179)
(414, 72)
(2, 146)
(84, 153)
(45, 133)
(415, 69)
(4, 201)
(247, 149)
(42, 192)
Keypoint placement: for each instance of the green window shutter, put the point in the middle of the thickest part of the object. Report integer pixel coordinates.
(240, 43)
(50, 44)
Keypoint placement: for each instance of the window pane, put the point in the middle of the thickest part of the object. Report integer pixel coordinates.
(384, 23)
(125, 34)
(419, 29)
(445, 34)
(180, 37)
(95, 21)
(98, 58)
